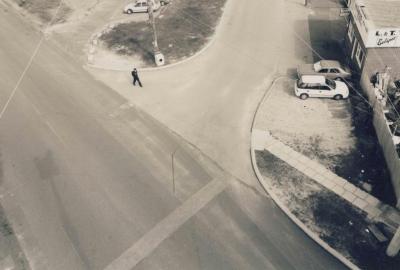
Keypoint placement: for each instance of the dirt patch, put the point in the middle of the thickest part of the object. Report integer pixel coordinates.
(365, 164)
(338, 134)
(11, 254)
(183, 28)
(45, 10)
(318, 128)
(337, 222)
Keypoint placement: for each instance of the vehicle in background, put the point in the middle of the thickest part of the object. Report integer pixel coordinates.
(319, 86)
(141, 6)
(329, 68)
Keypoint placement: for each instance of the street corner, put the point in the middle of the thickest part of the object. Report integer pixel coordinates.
(152, 40)
(103, 54)
(259, 139)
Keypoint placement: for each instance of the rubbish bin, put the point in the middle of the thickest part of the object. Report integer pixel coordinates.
(159, 58)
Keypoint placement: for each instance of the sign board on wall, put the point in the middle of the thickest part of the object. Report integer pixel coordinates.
(383, 38)
(373, 37)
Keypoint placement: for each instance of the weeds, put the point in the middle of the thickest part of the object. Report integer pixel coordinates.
(337, 222)
(183, 30)
(45, 9)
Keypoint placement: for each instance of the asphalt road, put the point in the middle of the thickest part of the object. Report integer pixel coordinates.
(86, 175)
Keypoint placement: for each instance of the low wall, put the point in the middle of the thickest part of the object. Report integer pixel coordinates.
(384, 136)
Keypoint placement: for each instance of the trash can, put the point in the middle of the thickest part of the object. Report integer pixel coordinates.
(159, 58)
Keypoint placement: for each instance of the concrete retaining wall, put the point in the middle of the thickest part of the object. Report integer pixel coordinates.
(384, 136)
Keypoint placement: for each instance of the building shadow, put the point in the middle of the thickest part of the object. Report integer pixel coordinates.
(326, 39)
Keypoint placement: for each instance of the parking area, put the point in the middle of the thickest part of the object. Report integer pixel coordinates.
(320, 128)
(338, 134)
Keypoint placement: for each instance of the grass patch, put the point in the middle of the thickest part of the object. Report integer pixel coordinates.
(336, 221)
(46, 9)
(185, 27)
(9, 246)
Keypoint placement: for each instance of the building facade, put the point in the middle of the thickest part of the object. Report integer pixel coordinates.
(372, 43)
(373, 36)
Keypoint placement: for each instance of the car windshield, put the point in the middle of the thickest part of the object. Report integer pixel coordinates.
(331, 83)
(317, 66)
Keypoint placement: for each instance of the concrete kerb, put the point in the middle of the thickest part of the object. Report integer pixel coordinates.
(208, 45)
(276, 199)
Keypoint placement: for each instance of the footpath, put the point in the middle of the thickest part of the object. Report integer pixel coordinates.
(307, 177)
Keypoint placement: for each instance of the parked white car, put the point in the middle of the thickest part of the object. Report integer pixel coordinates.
(319, 86)
(141, 6)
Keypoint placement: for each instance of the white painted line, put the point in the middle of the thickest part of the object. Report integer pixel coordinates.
(152, 239)
(55, 133)
(28, 65)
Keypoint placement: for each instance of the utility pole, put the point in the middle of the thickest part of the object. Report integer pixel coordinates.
(153, 24)
(158, 56)
(173, 170)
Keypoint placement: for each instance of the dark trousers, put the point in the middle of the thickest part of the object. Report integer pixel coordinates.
(136, 79)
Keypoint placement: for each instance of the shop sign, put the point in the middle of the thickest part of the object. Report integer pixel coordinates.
(384, 38)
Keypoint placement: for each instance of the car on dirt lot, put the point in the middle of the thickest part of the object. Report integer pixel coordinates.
(331, 69)
(141, 6)
(319, 86)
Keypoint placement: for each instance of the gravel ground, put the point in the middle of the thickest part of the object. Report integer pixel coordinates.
(337, 222)
(183, 28)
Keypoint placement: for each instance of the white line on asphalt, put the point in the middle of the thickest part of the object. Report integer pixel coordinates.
(152, 239)
(28, 65)
(55, 133)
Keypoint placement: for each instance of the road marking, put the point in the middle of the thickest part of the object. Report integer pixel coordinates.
(55, 133)
(28, 65)
(152, 239)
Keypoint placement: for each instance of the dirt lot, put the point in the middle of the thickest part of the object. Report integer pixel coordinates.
(319, 128)
(338, 134)
(183, 27)
(46, 11)
(337, 222)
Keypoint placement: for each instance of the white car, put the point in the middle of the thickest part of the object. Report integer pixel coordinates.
(141, 6)
(319, 86)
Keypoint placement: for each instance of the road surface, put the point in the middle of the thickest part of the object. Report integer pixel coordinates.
(86, 175)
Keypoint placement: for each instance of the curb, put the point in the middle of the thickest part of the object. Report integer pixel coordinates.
(156, 68)
(271, 193)
(145, 69)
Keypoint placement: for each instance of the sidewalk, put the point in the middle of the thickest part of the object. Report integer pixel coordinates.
(307, 177)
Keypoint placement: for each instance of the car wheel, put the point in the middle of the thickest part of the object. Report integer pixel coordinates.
(337, 97)
(303, 96)
(129, 11)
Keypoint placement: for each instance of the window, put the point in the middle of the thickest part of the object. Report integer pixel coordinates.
(350, 32)
(313, 86)
(331, 83)
(324, 70)
(360, 55)
(324, 87)
(334, 70)
(138, 4)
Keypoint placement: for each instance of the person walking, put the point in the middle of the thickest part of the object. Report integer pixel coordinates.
(135, 76)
